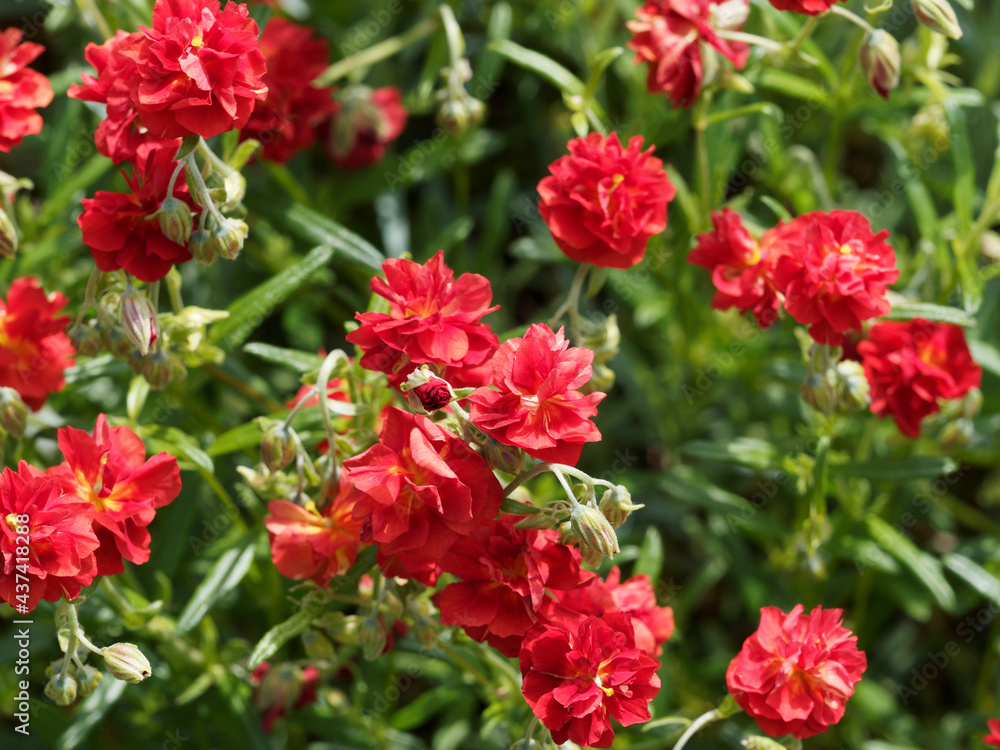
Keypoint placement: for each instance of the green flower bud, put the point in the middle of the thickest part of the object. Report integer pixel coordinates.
(854, 390)
(939, 16)
(820, 392)
(202, 247)
(601, 381)
(13, 413)
(126, 662)
(61, 689)
(505, 458)
(55, 668)
(138, 319)
(86, 339)
(373, 637)
(8, 235)
(228, 237)
(175, 220)
(616, 505)
(881, 61)
(88, 679)
(317, 646)
(762, 743)
(116, 342)
(156, 369)
(593, 530)
(277, 448)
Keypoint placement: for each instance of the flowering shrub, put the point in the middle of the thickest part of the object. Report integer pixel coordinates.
(513, 374)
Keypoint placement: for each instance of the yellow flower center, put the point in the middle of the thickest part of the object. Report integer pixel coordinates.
(12, 523)
(197, 42)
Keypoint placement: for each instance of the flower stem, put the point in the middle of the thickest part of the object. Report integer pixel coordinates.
(739, 36)
(704, 720)
(700, 123)
(839, 10)
(376, 53)
(524, 476)
(572, 303)
(804, 33)
(204, 197)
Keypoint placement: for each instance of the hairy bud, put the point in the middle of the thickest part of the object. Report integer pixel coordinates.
(126, 662)
(881, 61)
(593, 530)
(616, 505)
(138, 319)
(228, 237)
(13, 413)
(939, 16)
(175, 220)
(61, 689)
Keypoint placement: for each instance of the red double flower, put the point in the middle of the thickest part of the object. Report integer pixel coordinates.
(796, 673)
(533, 401)
(580, 674)
(808, 7)
(433, 319)
(604, 201)
(363, 123)
(22, 90)
(199, 69)
(109, 471)
(34, 348)
(911, 366)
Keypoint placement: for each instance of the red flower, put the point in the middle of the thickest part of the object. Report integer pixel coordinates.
(34, 347)
(796, 673)
(653, 624)
(833, 272)
(311, 544)
(910, 366)
(741, 267)
(286, 122)
(603, 202)
(22, 90)
(504, 574)
(120, 136)
(433, 395)
(198, 70)
(809, 7)
(994, 736)
(578, 675)
(119, 228)
(57, 559)
(433, 319)
(536, 405)
(364, 122)
(109, 470)
(673, 36)
(422, 487)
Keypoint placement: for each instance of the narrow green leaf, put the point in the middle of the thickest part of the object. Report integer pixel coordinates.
(779, 210)
(757, 454)
(78, 179)
(986, 356)
(279, 635)
(293, 359)
(918, 195)
(250, 310)
(687, 486)
(928, 311)
(598, 65)
(651, 554)
(316, 227)
(794, 86)
(188, 144)
(538, 63)
(92, 369)
(975, 575)
(923, 566)
(518, 509)
(964, 182)
(907, 468)
(423, 708)
(224, 576)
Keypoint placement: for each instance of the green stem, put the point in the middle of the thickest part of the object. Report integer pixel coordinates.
(700, 123)
(572, 303)
(90, 296)
(804, 33)
(325, 371)
(704, 720)
(843, 12)
(524, 476)
(376, 53)
(204, 196)
(738, 36)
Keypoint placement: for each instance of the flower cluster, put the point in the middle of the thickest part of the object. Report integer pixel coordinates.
(22, 90)
(81, 517)
(828, 270)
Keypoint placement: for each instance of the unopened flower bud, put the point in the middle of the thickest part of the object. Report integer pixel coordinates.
(126, 662)
(13, 413)
(505, 458)
(116, 342)
(762, 743)
(591, 556)
(54, 668)
(881, 61)
(88, 679)
(228, 237)
(566, 535)
(373, 637)
(8, 235)
(426, 393)
(86, 340)
(820, 392)
(616, 505)
(61, 689)
(603, 339)
(728, 15)
(156, 369)
(202, 247)
(277, 448)
(957, 434)
(972, 403)
(175, 220)
(317, 646)
(593, 529)
(138, 319)
(939, 16)
(601, 381)
(854, 390)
